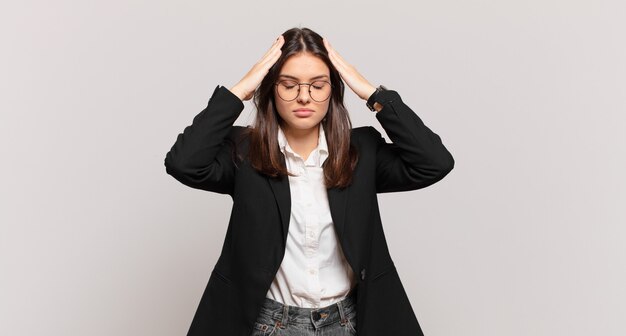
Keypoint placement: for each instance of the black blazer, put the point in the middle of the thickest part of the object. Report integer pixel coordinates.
(257, 232)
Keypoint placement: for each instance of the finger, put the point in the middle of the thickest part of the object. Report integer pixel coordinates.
(272, 56)
(277, 44)
(341, 66)
(338, 57)
(334, 56)
(269, 50)
(327, 44)
(329, 47)
(331, 52)
(267, 63)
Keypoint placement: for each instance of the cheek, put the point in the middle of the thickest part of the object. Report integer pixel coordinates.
(326, 107)
(281, 108)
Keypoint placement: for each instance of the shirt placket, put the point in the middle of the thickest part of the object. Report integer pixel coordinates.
(311, 234)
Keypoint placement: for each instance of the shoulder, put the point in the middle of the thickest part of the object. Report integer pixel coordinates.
(365, 135)
(365, 131)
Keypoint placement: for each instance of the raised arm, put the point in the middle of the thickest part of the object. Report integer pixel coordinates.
(201, 156)
(416, 158)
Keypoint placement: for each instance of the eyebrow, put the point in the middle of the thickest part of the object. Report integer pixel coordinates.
(293, 77)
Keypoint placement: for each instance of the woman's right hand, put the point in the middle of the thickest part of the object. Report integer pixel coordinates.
(245, 88)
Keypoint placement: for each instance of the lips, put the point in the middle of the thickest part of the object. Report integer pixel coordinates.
(302, 112)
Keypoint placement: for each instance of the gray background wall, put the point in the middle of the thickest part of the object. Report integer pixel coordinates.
(525, 236)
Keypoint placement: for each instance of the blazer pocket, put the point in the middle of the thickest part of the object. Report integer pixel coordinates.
(222, 277)
(384, 271)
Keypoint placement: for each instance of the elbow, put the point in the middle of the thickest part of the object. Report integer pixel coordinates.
(424, 177)
(439, 169)
(175, 167)
(170, 164)
(449, 164)
(180, 173)
(445, 166)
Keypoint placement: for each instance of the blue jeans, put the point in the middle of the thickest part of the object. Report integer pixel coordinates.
(277, 319)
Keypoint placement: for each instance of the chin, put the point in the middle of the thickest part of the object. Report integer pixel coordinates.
(304, 123)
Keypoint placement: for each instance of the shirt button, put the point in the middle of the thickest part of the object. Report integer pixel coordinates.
(312, 271)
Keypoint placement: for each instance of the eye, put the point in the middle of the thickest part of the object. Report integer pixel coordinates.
(288, 84)
(319, 85)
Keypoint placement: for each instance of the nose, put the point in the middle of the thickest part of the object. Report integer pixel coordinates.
(303, 94)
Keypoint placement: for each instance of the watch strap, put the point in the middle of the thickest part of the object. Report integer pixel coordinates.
(376, 97)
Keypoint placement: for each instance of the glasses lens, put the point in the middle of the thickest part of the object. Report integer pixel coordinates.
(288, 90)
(320, 90)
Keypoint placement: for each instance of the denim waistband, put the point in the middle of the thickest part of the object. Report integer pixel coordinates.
(272, 311)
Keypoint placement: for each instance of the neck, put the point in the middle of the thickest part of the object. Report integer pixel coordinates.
(302, 141)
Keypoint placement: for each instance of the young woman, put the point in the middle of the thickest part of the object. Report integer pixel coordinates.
(305, 252)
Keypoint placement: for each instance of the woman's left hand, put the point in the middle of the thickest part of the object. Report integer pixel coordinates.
(348, 73)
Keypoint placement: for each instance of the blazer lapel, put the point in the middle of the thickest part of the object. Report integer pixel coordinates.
(338, 200)
(282, 194)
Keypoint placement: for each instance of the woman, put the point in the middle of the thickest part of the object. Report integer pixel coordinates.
(305, 231)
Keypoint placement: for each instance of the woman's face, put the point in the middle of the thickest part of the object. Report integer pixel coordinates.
(302, 68)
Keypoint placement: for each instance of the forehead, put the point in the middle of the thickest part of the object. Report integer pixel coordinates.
(304, 66)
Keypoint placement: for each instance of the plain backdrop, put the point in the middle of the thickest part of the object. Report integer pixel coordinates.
(525, 236)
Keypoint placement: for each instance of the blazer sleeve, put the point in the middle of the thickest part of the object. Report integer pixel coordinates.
(416, 158)
(201, 156)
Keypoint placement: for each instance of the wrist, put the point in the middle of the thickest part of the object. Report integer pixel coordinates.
(369, 93)
(237, 92)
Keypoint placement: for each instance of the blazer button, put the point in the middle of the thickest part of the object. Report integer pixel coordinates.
(363, 274)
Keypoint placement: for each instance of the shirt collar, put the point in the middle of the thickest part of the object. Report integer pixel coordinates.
(319, 154)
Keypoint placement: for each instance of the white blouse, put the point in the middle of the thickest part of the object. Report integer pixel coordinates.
(314, 272)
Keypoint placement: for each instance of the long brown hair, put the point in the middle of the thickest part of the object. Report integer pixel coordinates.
(264, 153)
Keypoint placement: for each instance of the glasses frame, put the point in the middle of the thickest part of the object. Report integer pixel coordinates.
(309, 84)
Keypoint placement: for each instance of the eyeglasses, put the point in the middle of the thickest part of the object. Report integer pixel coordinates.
(318, 90)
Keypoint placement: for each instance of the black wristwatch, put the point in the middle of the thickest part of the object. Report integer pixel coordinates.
(375, 98)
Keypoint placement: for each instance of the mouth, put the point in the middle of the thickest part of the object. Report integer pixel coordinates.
(303, 113)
